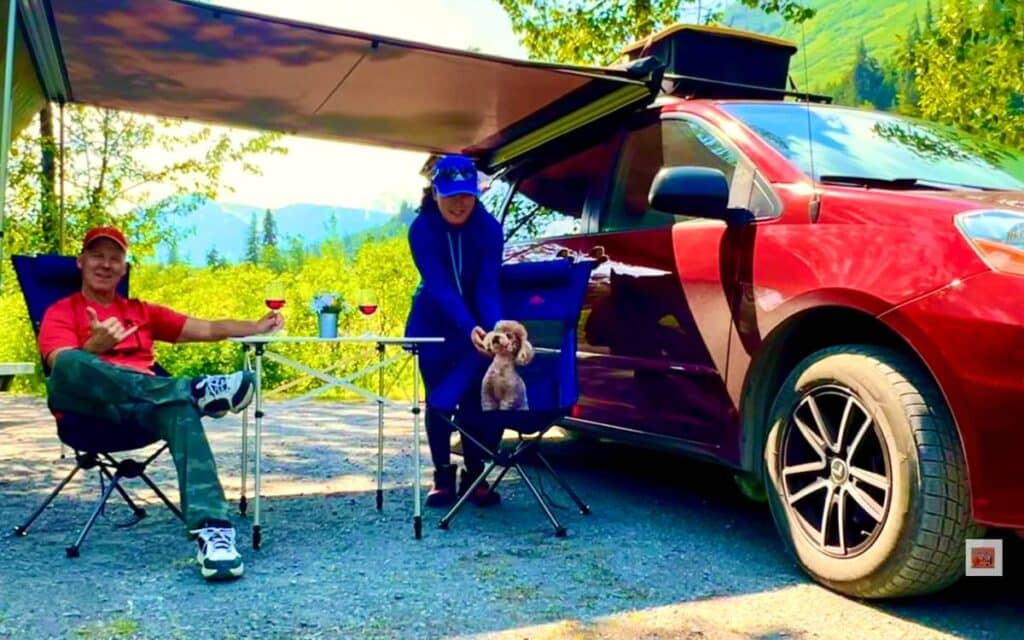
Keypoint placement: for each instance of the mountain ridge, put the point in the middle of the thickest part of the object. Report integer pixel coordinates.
(224, 226)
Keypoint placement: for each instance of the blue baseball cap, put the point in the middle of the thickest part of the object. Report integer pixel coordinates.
(454, 175)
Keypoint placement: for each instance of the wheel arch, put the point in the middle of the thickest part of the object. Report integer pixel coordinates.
(786, 345)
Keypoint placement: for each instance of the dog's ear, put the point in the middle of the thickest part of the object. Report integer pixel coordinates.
(489, 342)
(524, 355)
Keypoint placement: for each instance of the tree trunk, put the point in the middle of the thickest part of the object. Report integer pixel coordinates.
(49, 213)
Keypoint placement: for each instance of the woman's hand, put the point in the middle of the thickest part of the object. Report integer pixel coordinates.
(477, 337)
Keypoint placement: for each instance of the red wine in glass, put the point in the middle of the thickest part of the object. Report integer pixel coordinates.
(366, 302)
(274, 295)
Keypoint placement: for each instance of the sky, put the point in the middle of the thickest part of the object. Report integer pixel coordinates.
(330, 173)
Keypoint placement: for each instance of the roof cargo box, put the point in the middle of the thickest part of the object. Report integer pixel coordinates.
(715, 62)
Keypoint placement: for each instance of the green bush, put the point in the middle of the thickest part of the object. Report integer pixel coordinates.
(237, 291)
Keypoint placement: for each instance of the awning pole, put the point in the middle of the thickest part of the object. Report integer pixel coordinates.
(60, 246)
(5, 135)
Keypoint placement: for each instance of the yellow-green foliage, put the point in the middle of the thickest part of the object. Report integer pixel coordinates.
(834, 32)
(17, 341)
(237, 291)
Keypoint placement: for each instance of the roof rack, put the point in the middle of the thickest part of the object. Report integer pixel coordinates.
(696, 87)
(717, 62)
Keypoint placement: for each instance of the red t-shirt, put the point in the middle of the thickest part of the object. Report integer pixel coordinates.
(66, 324)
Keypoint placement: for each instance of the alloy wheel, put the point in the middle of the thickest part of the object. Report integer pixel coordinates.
(835, 471)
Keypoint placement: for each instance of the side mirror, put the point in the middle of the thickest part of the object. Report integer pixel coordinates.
(694, 191)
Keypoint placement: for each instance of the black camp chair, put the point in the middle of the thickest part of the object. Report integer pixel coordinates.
(547, 298)
(45, 279)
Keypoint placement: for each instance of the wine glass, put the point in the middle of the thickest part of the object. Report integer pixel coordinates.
(366, 302)
(275, 295)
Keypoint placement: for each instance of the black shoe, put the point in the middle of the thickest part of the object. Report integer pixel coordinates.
(483, 495)
(443, 492)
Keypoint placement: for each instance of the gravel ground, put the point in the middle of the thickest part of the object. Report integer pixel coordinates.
(670, 551)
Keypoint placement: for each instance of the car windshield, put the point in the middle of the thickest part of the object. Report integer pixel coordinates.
(851, 143)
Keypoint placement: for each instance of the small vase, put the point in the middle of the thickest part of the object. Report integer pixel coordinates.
(328, 325)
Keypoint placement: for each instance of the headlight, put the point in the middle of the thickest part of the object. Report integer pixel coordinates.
(997, 236)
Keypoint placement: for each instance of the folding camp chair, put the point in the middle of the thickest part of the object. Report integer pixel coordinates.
(45, 279)
(546, 297)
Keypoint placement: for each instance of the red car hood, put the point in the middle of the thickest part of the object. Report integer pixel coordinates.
(974, 199)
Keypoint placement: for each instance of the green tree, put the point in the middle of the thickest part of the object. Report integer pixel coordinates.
(295, 255)
(406, 213)
(595, 31)
(49, 212)
(135, 171)
(907, 95)
(269, 229)
(173, 252)
(252, 241)
(333, 244)
(866, 83)
(214, 260)
(969, 68)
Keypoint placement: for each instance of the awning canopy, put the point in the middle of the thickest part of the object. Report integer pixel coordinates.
(195, 61)
(184, 59)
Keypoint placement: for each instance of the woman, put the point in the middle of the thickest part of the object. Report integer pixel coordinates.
(457, 247)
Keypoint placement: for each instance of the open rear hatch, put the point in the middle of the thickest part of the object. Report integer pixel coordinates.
(183, 59)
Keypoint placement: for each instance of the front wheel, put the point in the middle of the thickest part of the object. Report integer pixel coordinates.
(866, 476)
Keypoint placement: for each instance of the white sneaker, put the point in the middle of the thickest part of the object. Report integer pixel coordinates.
(216, 395)
(217, 556)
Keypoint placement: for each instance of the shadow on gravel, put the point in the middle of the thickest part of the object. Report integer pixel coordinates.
(672, 550)
(973, 607)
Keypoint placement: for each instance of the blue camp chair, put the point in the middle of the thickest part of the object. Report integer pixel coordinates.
(547, 298)
(45, 279)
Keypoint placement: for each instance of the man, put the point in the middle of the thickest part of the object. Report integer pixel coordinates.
(98, 347)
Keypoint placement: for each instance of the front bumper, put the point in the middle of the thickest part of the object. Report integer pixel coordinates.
(971, 336)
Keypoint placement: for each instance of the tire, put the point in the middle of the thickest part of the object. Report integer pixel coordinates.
(917, 490)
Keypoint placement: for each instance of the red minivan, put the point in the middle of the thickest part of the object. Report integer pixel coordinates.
(828, 300)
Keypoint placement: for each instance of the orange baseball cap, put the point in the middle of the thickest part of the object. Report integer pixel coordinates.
(111, 233)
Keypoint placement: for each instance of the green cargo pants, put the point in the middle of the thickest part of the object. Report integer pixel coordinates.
(84, 384)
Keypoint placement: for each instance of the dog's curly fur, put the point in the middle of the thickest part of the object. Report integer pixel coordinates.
(503, 388)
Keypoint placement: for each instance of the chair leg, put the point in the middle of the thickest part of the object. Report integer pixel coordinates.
(139, 512)
(23, 529)
(498, 480)
(584, 509)
(160, 494)
(73, 550)
(560, 531)
(133, 469)
(465, 496)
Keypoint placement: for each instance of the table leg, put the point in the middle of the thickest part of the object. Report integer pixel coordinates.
(242, 503)
(417, 519)
(256, 533)
(380, 427)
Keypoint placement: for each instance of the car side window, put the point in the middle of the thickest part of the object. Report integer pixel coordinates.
(495, 194)
(657, 144)
(550, 201)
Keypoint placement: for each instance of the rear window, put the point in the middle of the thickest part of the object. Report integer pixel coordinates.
(550, 201)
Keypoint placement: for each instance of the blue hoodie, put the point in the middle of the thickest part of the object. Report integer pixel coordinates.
(459, 279)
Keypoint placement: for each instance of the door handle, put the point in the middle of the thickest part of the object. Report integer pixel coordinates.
(597, 253)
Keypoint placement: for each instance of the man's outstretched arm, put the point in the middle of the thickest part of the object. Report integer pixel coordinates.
(199, 330)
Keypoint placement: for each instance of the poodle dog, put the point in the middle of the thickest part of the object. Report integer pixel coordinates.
(503, 388)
